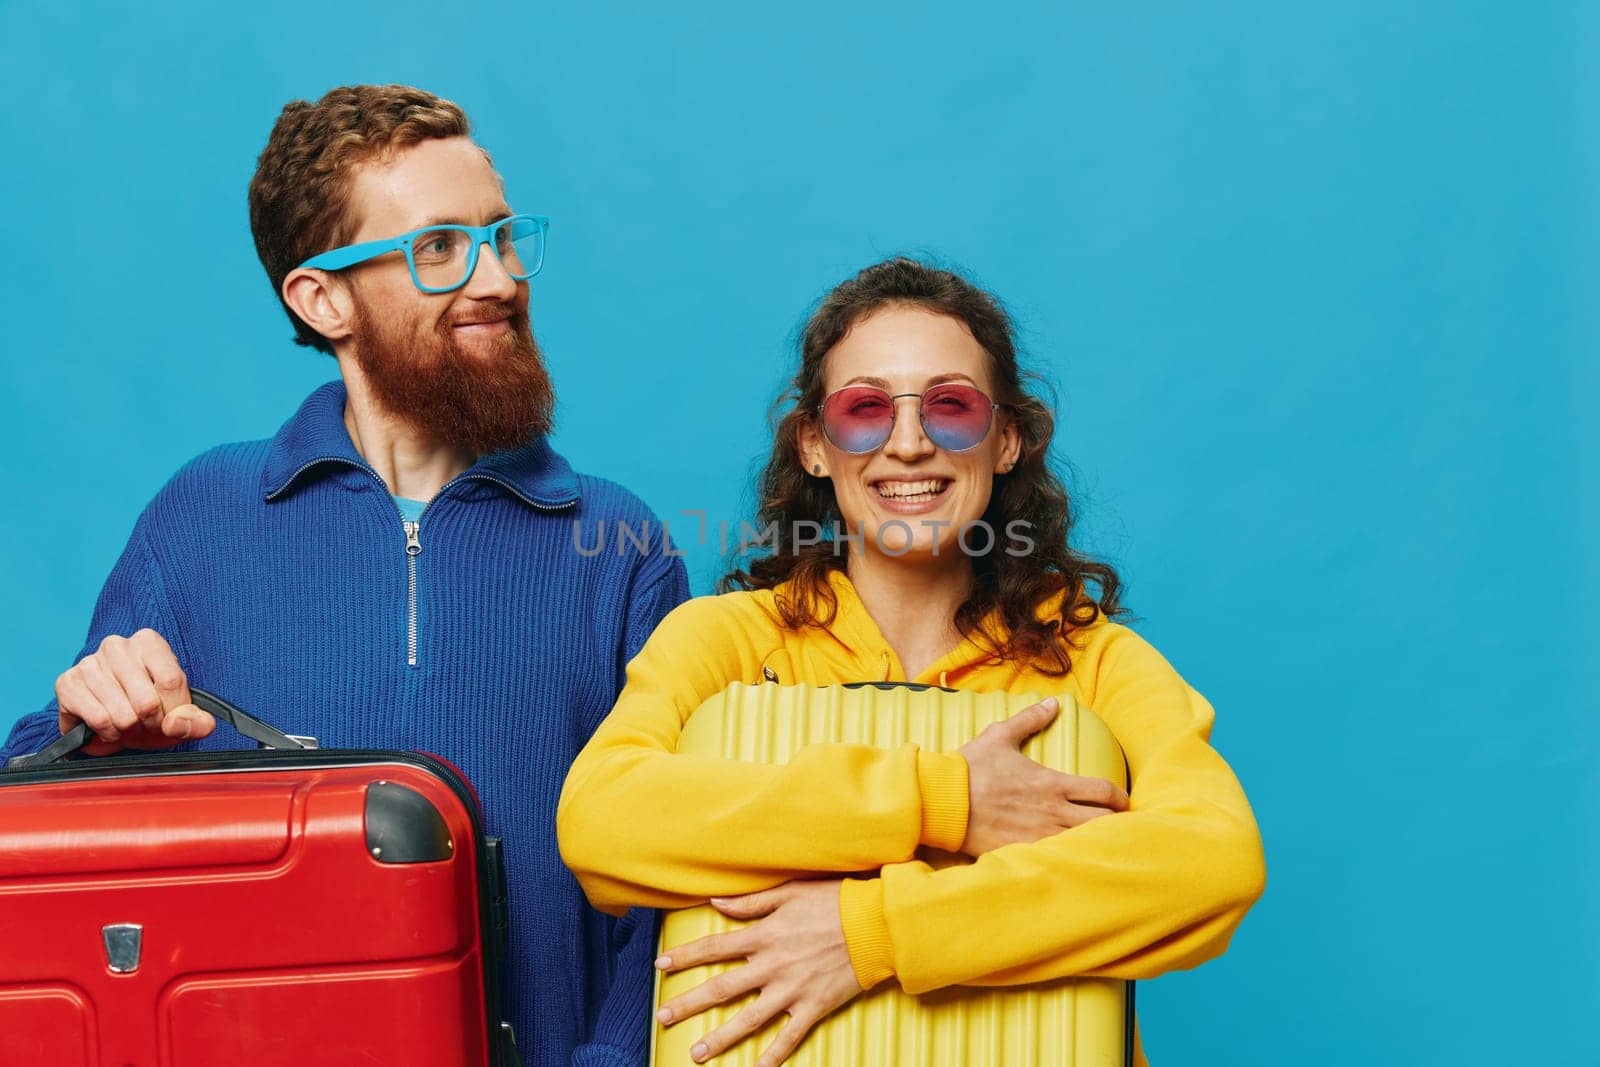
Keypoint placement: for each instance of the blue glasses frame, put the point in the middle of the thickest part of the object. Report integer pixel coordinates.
(522, 226)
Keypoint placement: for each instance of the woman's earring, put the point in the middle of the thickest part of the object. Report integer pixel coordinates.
(817, 470)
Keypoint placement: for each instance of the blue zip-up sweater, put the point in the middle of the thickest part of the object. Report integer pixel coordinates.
(279, 572)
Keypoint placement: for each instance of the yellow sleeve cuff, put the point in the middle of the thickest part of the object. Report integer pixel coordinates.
(942, 777)
(866, 932)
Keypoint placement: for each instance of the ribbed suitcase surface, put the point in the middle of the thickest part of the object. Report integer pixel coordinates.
(1069, 1023)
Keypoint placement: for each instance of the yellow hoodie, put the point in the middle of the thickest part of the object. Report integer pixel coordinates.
(1160, 887)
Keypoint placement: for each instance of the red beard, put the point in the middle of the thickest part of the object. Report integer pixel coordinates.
(453, 397)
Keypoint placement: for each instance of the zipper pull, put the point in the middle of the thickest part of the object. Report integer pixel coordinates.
(413, 541)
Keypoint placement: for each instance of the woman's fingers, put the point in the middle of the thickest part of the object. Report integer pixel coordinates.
(1025, 723)
(753, 905)
(1012, 799)
(788, 1039)
(1095, 792)
(1078, 814)
(726, 986)
(1089, 798)
(746, 1021)
(735, 945)
(798, 963)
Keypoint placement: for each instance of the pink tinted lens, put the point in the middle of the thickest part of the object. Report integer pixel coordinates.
(956, 417)
(858, 418)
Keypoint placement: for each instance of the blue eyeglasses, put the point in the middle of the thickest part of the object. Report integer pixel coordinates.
(443, 257)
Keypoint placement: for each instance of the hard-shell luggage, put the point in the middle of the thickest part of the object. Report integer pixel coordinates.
(1081, 1022)
(276, 908)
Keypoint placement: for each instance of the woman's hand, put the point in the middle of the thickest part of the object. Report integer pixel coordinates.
(1013, 799)
(795, 957)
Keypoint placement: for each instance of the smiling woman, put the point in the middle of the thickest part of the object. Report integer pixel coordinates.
(902, 328)
(911, 427)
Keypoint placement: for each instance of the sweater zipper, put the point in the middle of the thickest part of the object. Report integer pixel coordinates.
(413, 550)
(414, 529)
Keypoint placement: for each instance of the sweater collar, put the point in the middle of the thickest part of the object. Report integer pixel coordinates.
(315, 440)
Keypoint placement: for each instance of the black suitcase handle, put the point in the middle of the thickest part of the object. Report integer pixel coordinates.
(915, 687)
(245, 723)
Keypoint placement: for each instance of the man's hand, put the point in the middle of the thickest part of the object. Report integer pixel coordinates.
(796, 960)
(1014, 799)
(132, 694)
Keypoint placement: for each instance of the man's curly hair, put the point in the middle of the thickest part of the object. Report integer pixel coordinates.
(299, 197)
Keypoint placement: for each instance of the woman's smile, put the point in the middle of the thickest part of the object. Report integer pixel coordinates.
(911, 496)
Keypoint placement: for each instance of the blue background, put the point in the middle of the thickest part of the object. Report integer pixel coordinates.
(1316, 283)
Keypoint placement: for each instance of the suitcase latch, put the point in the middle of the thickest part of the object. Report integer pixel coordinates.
(123, 941)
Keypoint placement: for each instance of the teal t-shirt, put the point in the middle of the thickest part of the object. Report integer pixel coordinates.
(410, 510)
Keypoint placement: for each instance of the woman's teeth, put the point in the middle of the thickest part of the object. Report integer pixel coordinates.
(912, 492)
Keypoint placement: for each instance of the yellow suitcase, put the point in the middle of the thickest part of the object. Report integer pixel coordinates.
(1085, 1022)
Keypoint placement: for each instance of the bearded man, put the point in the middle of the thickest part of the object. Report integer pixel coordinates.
(395, 569)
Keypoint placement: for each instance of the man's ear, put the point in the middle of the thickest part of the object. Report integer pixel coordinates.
(321, 300)
(812, 454)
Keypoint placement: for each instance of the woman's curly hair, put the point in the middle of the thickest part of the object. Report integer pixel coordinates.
(1006, 586)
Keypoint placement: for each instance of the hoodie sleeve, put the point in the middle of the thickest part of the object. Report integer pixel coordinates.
(621, 1036)
(1160, 887)
(641, 824)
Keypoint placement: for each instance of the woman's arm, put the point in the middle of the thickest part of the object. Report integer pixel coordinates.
(1158, 888)
(640, 824)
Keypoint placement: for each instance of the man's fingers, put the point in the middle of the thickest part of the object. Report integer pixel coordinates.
(746, 1021)
(128, 683)
(171, 684)
(79, 704)
(204, 724)
(713, 991)
(110, 696)
(125, 666)
(735, 945)
(188, 723)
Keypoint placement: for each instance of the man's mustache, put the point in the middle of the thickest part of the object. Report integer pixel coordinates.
(487, 311)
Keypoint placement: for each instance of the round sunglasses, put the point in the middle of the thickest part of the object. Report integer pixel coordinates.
(860, 418)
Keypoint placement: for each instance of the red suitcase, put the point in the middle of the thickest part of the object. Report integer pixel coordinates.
(276, 908)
